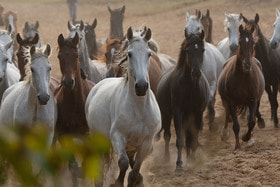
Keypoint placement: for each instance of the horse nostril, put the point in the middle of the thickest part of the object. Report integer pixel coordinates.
(1, 79)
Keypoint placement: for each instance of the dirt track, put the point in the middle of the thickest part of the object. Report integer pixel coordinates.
(215, 165)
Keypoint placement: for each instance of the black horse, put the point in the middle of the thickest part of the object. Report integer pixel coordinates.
(270, 60)
(183, 93)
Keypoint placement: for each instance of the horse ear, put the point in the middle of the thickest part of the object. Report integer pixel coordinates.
(277, 12)
(244, 19)
(187, 16)
(129, 33)
(199, 15)
(19, 39)
(26, 25)
(82, 26)
(123, 9)
(257, 18)
(70, 26)
(37, 25)
(207, 13)
(240, 17)
(148, 34)
(32, 50)
(47, 51)
(109, 9)
(241, 29)
(94, 24)
(201, 36)
(76, 39)
(35, 40)
(196, 12)
(10, 29)
(60, 40)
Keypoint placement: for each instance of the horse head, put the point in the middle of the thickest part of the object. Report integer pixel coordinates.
(39, 72)
(4, 59)
(116, 20)
(194, 48)
(30, 30)
(90, 38)
(193, 24)
(232, 22)
(138, 54)
(68, 59)
(246, 47)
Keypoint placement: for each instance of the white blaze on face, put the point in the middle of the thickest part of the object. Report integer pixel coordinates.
(195, 46)
(247, 40)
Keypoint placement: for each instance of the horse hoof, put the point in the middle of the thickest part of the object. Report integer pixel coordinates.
(246, 137)
(225, 135)
(276, 125)
(261, 123)
(179, 171)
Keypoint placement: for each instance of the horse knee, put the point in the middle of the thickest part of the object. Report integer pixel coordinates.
(123, 162)
(167, 136)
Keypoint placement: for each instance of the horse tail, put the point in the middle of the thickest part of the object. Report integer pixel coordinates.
(241, 109)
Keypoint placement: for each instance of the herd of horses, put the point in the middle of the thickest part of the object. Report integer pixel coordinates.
(126, 89)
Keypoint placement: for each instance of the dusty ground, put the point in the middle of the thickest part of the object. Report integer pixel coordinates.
(216, 165)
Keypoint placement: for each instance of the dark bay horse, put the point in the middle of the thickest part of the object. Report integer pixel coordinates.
(183, 93)
(94, 47)
(71, 96)
(241, 84)
(270, 60)
(116, 22)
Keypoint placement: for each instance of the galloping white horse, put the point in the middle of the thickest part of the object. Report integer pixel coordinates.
(9, 74)
(89, 68)
(125, 110)
(274, 41)
(228, 46)
(212, 65)
(31, 100)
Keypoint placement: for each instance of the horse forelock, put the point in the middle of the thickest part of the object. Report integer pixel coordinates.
(39, 52)
(231, 18)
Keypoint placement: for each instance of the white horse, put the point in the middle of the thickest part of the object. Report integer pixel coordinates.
(31, 101)
(228, 46)
(125, 110)
(9, 74)
(87, 66)
(213, 62)
(274, 41)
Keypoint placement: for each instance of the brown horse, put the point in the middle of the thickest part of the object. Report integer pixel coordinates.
(71, 96)
(72, 93)
(241, 84)
(270, 60)
(117, 61)
(116, 22)
(183, 94)
(207, 24)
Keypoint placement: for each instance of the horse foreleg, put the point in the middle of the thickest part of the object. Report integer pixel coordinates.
(275, 104)
(210, 107)
(225, 130)
(193, 131)
(261, 123)
(178, 119)
(134, 177)
(236, 128)
(166, 120)
(119, 144)
(251, 120)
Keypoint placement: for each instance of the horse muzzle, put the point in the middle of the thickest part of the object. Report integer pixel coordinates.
(246, 67)
(233, 47)
(141, 88)
(69, 83)
(43, 99)
(196, 75)
(274, 44)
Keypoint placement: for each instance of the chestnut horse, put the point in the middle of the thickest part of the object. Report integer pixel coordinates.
(207, 24)
(183, 94)
(270, 60)
(241, 85)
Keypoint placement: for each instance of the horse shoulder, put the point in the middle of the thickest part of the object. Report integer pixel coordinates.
(12, 73)
(223, 47)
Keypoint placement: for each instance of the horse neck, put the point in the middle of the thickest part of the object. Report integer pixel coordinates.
(262, 47)
(84, 57)
(21, 65)
(182, 65)
(116, 31)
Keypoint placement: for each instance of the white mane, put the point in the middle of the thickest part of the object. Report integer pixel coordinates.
(231, 18)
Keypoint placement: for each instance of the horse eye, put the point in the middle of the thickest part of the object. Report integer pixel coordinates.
(31, 70)
(129, 54)
(149, 54)
(50, 68)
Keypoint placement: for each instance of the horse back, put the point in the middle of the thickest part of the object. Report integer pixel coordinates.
(154, 72)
